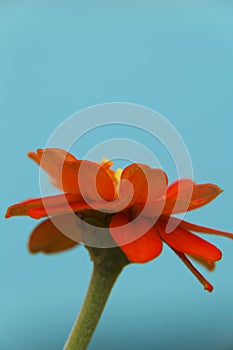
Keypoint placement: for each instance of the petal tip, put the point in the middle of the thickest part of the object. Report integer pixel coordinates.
(218, 189)
(9, 212)
(209, 287)
(31, 250)
(7, 215)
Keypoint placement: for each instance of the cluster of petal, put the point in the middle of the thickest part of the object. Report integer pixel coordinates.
(146, 192)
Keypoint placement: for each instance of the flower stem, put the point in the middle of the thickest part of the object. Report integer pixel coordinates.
(106, 268)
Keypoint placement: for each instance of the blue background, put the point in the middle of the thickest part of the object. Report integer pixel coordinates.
(58, 57)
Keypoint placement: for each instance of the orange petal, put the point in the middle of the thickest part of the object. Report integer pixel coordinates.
(196, 273)
(60, 204)
(41, 207)
(106, 165)
(148, 184)
(202, 229)
(64, 170)
(182, 185)
(186, 242)
(185, 195)
(209, 265)
(140, 250)
(48, 239)
(96, 180)
(52, 160)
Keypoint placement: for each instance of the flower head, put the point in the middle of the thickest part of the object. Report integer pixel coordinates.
(134, 205)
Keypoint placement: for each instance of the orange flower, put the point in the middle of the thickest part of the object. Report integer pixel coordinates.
(138, 200)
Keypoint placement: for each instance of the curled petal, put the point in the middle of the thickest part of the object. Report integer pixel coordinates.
(140, 250)
(148, 184)
(106, 164)
(75, 176)
(186, 242)
(52, 160)
(95, 182)
(47, 238)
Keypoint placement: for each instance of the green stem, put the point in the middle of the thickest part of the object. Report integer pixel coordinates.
(106, 269)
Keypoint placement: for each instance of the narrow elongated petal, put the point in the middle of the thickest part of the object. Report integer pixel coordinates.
(206, 284)
(60, 204)
(140, 250)
(47, 238)
(186, 242)
(40, 207)
(75, 176)
(57, 209)
(202, 229)
(184, 195)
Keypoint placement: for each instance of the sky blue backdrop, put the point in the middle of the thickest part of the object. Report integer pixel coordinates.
(58, 57)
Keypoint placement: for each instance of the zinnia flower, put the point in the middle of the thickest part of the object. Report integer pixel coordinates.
(100, 200)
